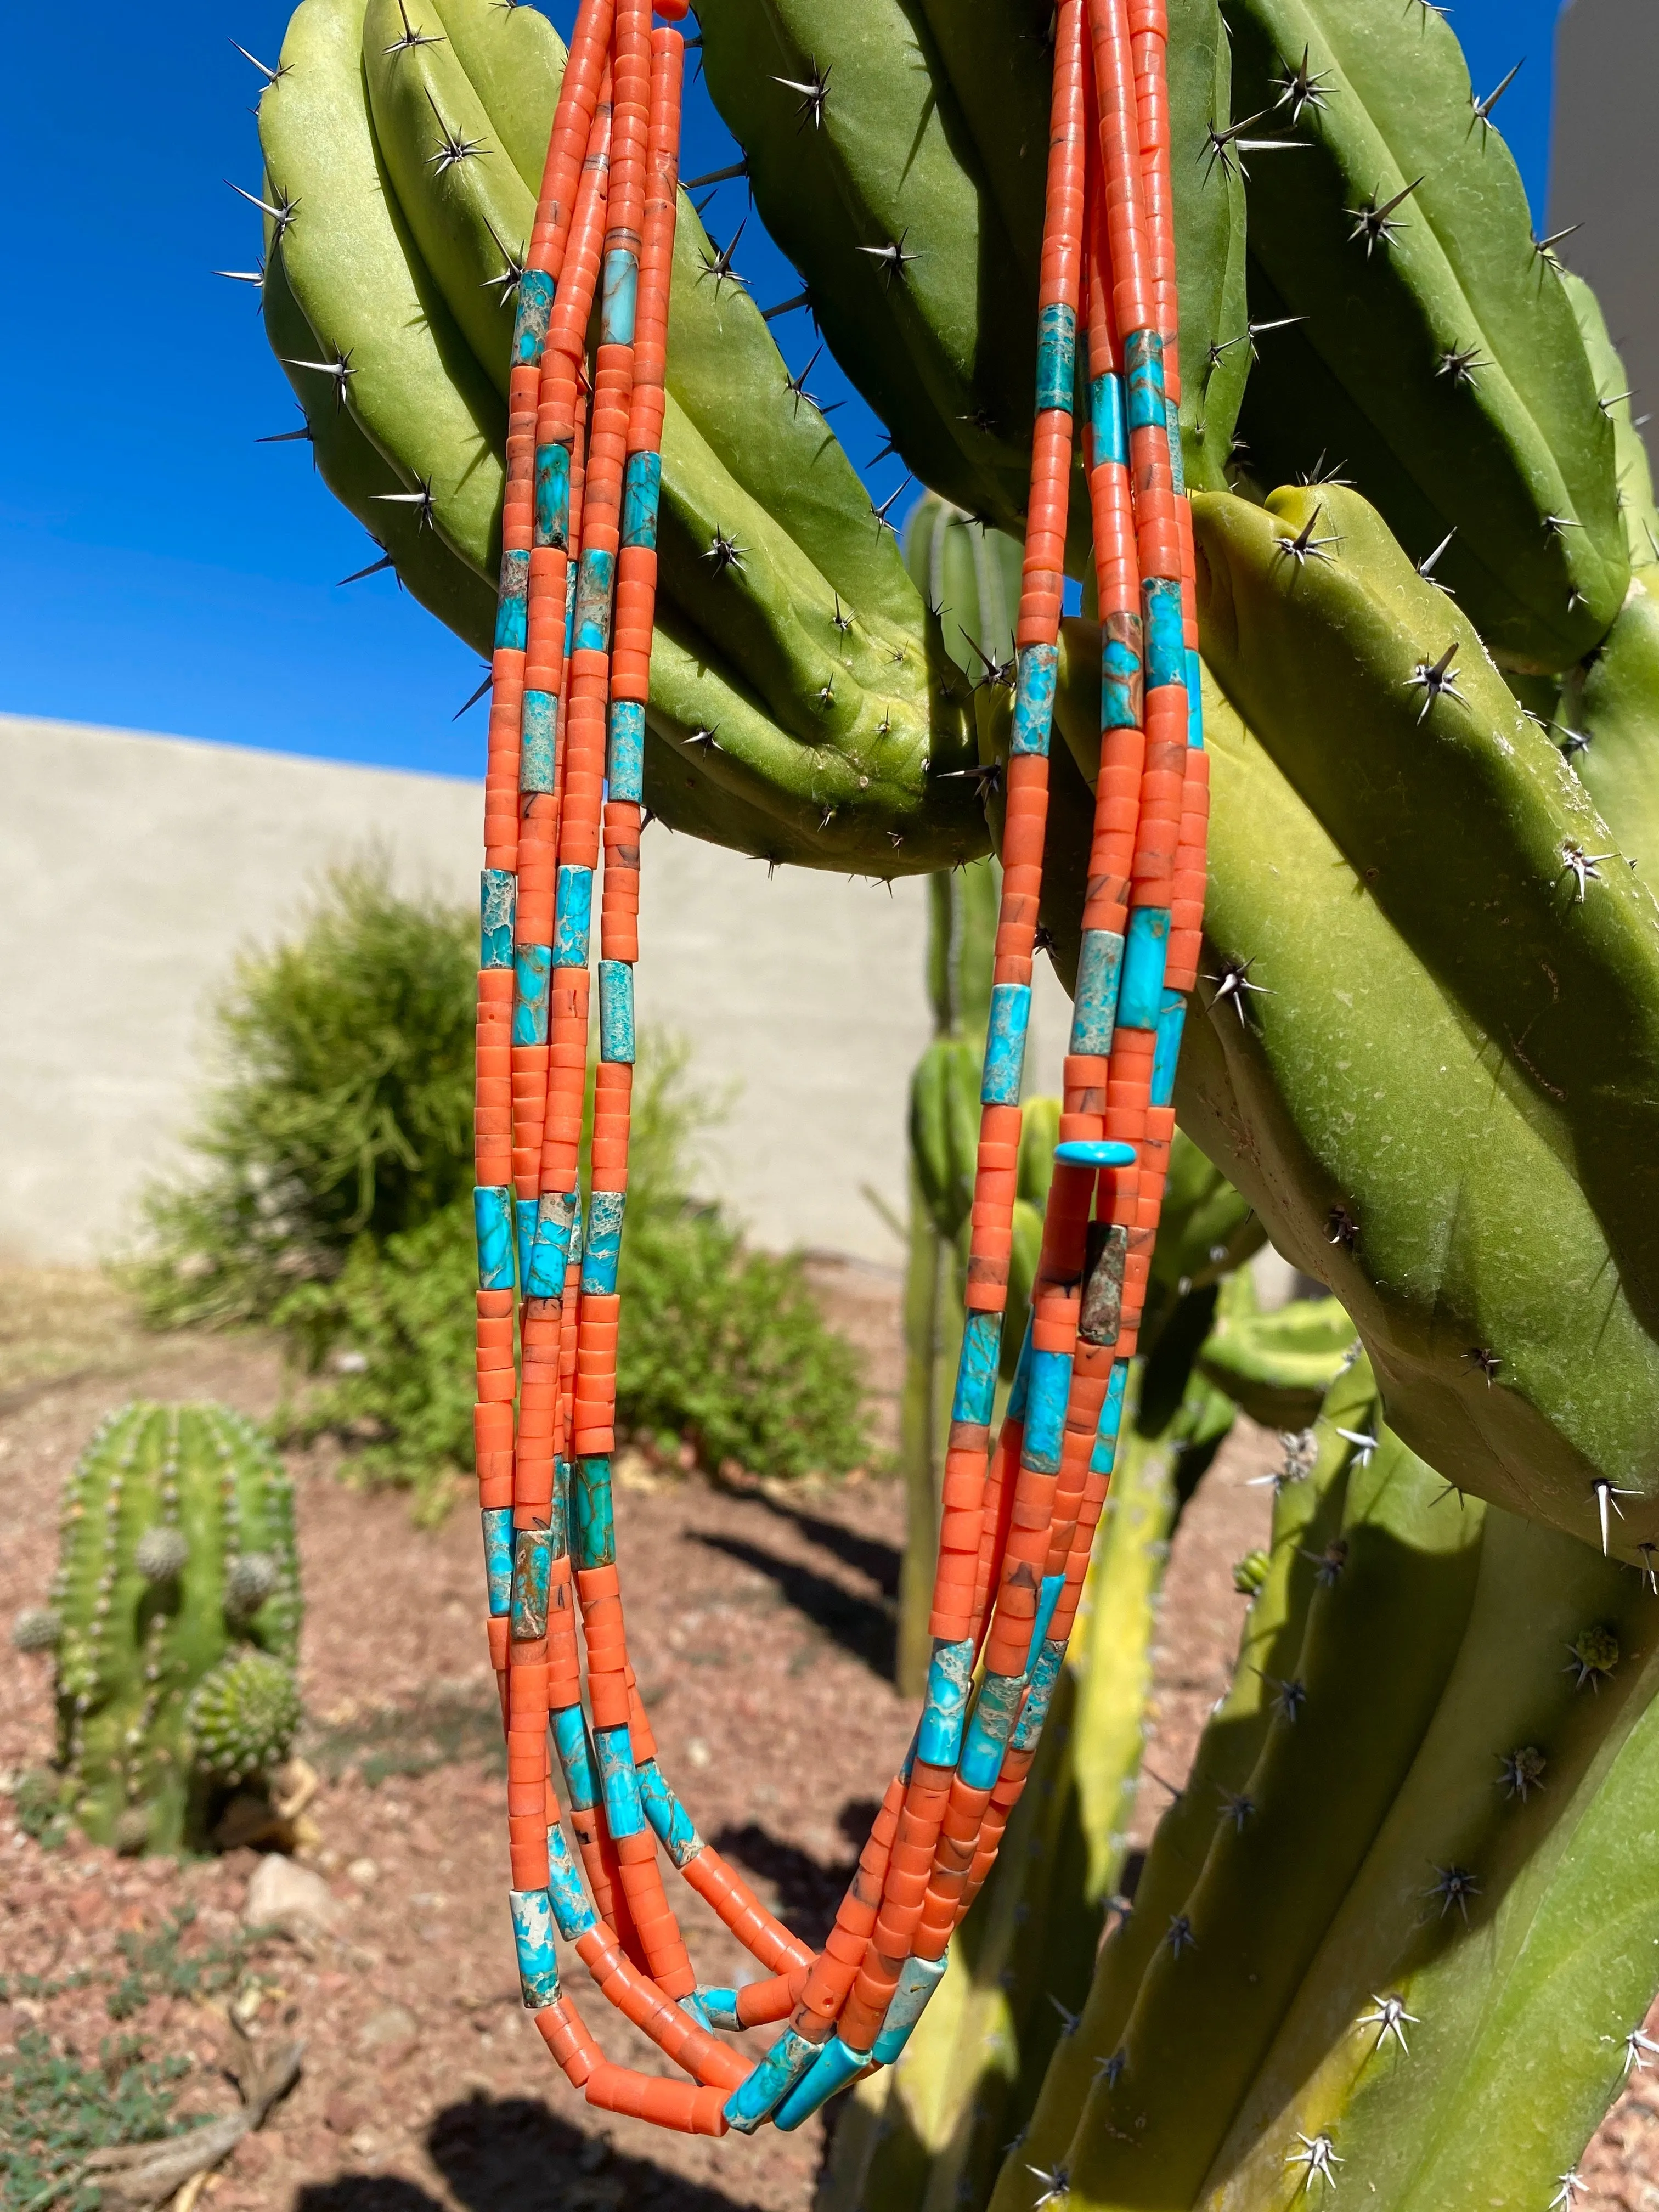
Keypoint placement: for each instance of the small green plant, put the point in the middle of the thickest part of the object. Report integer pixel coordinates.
(54, 2111)
(343, 1107)
(168, 1964)
(38, 1809)
(727, 1346)
(173, 1624)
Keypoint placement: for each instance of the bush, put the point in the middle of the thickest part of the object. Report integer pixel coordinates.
(721, 1346)
(335, 1206)
(345, 1109)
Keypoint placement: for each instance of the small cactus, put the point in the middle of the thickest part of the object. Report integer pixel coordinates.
(174, 1616)
(243, 1714)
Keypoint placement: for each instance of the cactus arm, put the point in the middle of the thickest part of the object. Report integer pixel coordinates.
(1519, 2017)
(361, 478)
(934, 126)
(1358, 1081)
(1321, 1789)
(1520, 437)
(891, 163)
(514, 60)
(1300, 1107)
(1328, 663)
(1277, 1367)
(871, 715)
(414, 384)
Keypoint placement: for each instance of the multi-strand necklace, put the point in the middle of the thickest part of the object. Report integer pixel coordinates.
(571, 686)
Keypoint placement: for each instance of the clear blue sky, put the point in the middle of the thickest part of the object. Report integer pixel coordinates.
(159, 570)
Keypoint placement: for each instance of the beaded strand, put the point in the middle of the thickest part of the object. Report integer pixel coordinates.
(563, 804)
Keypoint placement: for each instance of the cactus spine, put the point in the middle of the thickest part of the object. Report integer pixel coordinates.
(175, 1617)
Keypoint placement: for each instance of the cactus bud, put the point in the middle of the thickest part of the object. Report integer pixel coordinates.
(251, 1581)
(38, 1628)
(161, 1555)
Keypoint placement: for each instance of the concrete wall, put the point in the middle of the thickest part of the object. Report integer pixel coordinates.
(1603, 174)
(133, 867)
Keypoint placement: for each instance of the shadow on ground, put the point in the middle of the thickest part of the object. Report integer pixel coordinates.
(514, 2154)
(863, 1626)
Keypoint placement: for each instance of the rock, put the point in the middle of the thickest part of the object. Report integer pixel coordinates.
(364, 1873)
(283, 1895)
(389, 2034)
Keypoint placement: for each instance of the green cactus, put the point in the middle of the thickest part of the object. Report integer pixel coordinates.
(1307, 1518)
(1277, 1367)
(1467, 906)
(930, 2133)
(1436, 360)
(1438, 1881)
(175, 1618)
(772, 728)
(1405, 1257)
(931, 137)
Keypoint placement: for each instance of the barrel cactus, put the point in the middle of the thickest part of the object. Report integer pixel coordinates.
(174, 1619)
(1423, 1057)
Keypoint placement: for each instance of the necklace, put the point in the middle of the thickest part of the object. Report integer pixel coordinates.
(571, 672)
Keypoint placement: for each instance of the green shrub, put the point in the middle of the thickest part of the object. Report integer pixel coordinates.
(719, 1345)
(334, 1204)
(343, 1109)
(727, 1347)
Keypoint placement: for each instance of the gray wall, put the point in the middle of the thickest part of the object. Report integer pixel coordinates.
(1603, 174)
(132, 868)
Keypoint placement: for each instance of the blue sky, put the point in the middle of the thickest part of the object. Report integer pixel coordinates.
(158, 569)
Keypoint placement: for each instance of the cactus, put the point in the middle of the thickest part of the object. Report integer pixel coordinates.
(1433, 917)
(772, 728)
(1246, 1091)
(174, 1618)
(1386, 1979)
(1277, 1366)
(1013, 2018)
(1435, 360)
(930, 138)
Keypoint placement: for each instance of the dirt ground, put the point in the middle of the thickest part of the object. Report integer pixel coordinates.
(763, 1629)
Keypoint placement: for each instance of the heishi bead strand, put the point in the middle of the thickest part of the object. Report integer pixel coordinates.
(532, 1807)
(880, 1964)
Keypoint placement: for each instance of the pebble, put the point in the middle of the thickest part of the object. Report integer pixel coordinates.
(281, 1894)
